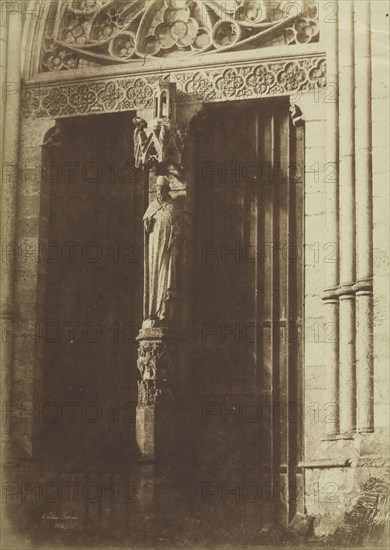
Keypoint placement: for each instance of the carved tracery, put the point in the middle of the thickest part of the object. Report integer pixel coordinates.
(98, 32)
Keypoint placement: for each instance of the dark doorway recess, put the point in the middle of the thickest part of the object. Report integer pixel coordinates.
(92, 276)
(248, 303)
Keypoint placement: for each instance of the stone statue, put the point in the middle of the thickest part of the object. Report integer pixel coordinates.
(140, 137)
(162, 231)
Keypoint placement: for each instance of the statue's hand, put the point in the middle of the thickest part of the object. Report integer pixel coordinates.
(149, 224)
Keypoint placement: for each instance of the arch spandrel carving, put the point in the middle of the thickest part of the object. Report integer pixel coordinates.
(106, 32)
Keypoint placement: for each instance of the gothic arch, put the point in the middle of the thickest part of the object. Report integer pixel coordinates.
(81, 34)
(33, 32)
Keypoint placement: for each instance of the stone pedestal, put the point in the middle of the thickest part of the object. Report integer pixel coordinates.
(157, 425)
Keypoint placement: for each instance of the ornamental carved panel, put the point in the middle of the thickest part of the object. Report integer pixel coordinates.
(157, 365)
(243, 80)
(83, 33)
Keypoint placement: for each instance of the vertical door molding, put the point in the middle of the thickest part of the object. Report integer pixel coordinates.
(30, 272)
(364, 220)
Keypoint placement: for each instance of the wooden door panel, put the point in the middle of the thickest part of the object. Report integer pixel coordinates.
(251, 220)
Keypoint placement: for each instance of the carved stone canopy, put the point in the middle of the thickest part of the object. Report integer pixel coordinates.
(160, 142)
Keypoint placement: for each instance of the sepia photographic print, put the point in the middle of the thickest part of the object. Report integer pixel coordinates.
(194, 274)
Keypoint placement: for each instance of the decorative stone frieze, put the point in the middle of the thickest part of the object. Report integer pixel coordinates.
(241, 80)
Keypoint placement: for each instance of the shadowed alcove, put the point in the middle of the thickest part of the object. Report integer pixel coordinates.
(94, 264)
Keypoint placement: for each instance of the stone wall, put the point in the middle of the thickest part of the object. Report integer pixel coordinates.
(380, 160)
(32, 232)
(338, 467)
(317, 253)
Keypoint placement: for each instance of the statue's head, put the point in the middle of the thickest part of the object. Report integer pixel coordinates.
(162, 188)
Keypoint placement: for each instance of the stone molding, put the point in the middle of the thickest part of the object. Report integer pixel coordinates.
(237, 81)
(340, 462)
(332, 295)
(364, 287)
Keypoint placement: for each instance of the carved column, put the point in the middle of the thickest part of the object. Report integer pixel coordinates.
(364, 220)
(3, 69)
(10, 145)
(347, 219)
(332, 226)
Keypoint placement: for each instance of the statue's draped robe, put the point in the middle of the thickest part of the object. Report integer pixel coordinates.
(162, 226)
